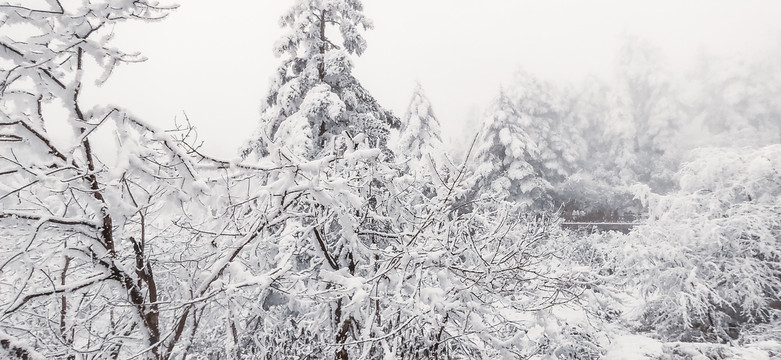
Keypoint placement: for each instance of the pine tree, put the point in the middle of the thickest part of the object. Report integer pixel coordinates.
(524, 146)
(420, 133)
(503, 156)
(314, 94)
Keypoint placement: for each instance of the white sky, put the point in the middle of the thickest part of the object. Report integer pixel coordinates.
(213, 59)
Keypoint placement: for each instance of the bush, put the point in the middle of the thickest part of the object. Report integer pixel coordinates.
(709, 257)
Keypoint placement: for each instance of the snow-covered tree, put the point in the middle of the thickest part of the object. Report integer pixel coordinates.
(652, 103)
(419, 150)
(314, 94)
(601, 118)
(118, 237)
(503, 156)
(604, 138)
(420, 133)
(74, 222)
(544, 109)
(523, 146)
(735, 101)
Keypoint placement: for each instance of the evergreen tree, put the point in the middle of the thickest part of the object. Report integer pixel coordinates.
(314, 94)
(524, 147)
(418, 148)
(504, 152)
(420, 131)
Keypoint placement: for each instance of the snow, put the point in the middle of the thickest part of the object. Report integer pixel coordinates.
(423, 246)
(634, 347)
(642, 347)
(9, 342)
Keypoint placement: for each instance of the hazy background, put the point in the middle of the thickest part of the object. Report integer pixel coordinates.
(213, 60)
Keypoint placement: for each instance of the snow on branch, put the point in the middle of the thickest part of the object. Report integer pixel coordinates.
(55, 290)
(10, 214)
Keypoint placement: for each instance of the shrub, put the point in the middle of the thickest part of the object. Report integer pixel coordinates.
(709, 257)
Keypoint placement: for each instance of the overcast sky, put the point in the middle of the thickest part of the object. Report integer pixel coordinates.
(213, 59)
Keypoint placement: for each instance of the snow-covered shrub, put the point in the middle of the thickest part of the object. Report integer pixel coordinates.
(768, 331)
(579, 329)
(430, 284)
(577, 343)
(568, 333)
(709, 256)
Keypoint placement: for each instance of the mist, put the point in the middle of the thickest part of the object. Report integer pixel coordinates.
(462, 52)
(400, 180)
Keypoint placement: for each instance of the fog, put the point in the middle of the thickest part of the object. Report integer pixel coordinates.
(608, 183)
(214, 61)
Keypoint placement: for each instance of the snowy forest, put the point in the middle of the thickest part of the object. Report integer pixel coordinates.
(635, 219)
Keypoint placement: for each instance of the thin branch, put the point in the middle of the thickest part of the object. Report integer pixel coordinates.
(50, 219)
(45, 71)
(10, 138)
(52, 149)
(88, 132)
(62, 289)
(323, 247)
(59, 12)
(394, 332)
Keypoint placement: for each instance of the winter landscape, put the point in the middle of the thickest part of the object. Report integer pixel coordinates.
(636, 217)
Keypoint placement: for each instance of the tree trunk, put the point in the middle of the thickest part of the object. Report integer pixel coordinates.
(321, 66)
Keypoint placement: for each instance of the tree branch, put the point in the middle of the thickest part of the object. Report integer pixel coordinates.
(51, 219)
(328, 257)
(59, 12)
(72, 287)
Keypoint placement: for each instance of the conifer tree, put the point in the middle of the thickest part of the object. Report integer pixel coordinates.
(420, 131)
(602, 134)
(503, 156)
(314, 94)
(523, 148)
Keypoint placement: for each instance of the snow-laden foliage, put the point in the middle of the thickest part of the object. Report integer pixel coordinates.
(522, 148)
(420, 133)
(122, 240)
(364, 266)
(314, 95)
(76, 274)
(709, 257)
